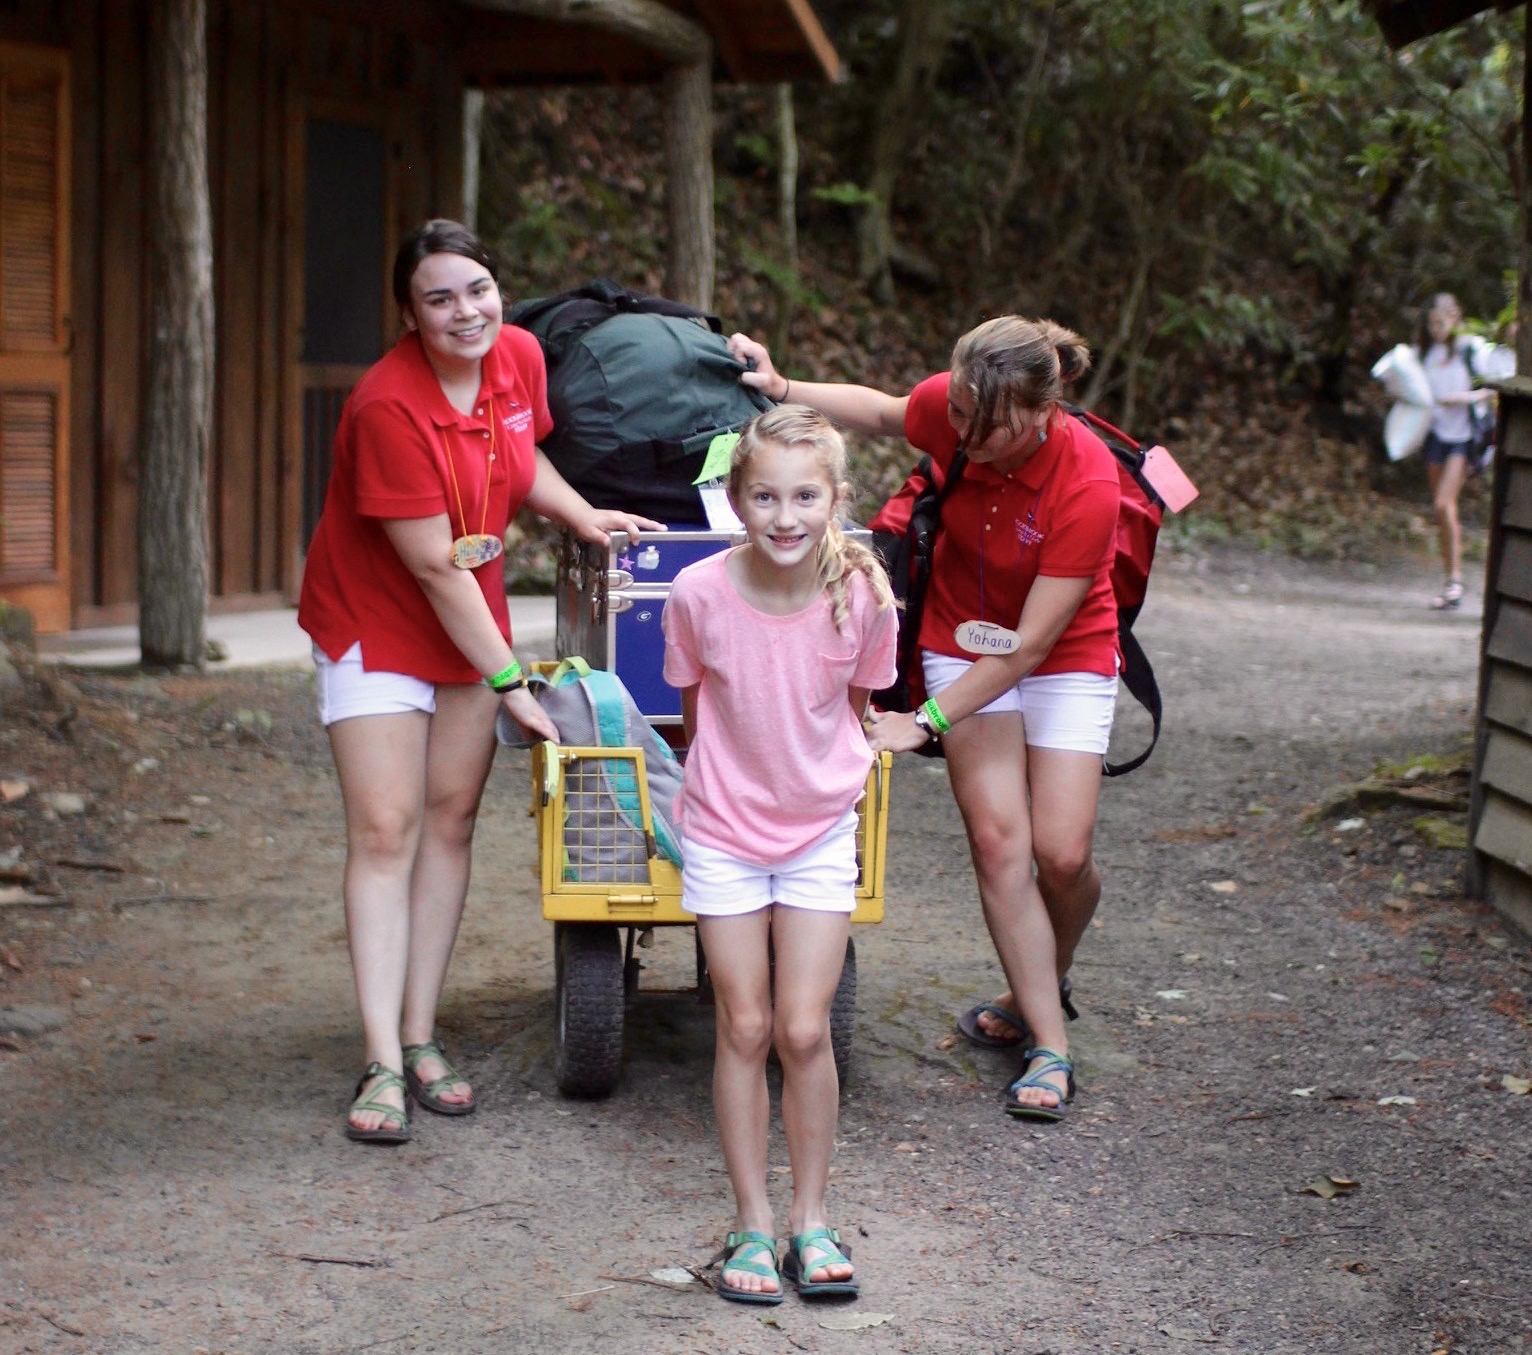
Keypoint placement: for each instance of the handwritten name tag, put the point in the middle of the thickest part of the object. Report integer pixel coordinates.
(985, 637)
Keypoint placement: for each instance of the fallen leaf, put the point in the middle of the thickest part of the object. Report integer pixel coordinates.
(854, 1321)
(1224, 887)
(675, 1275)
(946, 1042)
(1304, 1091)
(1328, 1187)
(1396, 1100)
(1350, 825)
(1357, 1267)
(1517, 1086)
(14, 790)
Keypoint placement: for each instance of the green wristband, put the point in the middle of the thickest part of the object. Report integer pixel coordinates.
(935, 716)
(507, 679)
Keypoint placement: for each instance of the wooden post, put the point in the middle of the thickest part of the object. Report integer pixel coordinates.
(172, 485)
(688, 98)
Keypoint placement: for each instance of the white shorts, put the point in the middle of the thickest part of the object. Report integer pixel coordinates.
(822, 877)
(1071, 712)
(347, 690)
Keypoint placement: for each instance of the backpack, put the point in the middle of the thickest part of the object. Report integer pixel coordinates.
(904, 536)
(606, 840)
(638, 387)
(1481, 419)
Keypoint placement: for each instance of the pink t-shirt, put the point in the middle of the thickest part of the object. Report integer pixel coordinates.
(778, 755)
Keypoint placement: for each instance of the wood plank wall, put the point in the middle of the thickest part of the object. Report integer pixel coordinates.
(268, 61)
(1501, 808)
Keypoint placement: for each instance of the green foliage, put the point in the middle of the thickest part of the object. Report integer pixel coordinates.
(844, 194)
(1239, 205)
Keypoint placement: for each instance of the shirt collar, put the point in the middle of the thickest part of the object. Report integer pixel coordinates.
(1033, 473)
(497, 379)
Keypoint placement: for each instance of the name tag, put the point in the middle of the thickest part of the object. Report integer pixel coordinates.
(985, 637)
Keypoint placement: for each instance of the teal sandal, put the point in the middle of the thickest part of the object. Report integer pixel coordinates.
(796, 1267)
(754, 1253)
(429, 1093)
(1052, 1063)
(394, 1129)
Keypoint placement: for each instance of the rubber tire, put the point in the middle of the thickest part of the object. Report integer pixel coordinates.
(843, 1014)
(589, 993)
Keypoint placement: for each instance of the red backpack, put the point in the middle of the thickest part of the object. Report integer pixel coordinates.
(904, 535)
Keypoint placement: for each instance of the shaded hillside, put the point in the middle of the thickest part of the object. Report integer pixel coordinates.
(573, 190)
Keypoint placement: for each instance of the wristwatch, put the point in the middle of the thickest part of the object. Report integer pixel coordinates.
(923, 721)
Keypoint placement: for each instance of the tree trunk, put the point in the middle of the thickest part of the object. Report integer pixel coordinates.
(923, 36)
(473, 144)
(688, 96)
(787, 213)
(173, 438)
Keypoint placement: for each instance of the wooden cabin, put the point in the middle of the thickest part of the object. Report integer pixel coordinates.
(334, 128)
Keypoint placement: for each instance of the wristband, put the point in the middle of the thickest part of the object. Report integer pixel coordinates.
(935, 716)
(507, 679)
(786, 386)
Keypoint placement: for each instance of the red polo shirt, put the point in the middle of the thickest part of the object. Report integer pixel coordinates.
(403, 451)
(1056, 515)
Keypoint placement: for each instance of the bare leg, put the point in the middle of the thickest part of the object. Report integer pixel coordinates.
(810, 950)
(1064, 789)
(737, 963)
(987, 765)
(1446, 483)
(460, 750)
(380, 761)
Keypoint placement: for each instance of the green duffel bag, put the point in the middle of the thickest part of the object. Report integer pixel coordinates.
(638, 386)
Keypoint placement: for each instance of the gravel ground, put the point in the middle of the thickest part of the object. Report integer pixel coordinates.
(1280, 989)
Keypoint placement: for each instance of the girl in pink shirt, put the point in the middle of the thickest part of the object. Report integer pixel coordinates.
(775, 646)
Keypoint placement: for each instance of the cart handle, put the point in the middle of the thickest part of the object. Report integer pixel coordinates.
(552, 770)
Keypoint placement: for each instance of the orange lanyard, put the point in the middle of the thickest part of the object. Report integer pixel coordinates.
(489, 464)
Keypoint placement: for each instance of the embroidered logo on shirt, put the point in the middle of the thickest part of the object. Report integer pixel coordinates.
(1027, 533)
(518, 420)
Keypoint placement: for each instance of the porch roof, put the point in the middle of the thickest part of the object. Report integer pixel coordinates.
(1404, 21)
(755, 42)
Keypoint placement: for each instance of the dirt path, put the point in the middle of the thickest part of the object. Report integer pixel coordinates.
(1258, 989)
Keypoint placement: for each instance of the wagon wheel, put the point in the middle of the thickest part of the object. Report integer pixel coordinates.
(588, 984)
(843, 1014)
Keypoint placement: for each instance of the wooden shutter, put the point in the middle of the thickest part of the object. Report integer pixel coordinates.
(34, 332)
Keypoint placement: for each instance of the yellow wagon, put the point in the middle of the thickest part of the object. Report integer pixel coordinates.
(606, 906)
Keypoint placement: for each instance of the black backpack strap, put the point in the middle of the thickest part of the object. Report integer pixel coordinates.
(915, 587)
(569, 314)
(1138, 677)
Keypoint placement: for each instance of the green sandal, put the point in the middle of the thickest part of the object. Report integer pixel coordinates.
(429, 1093)
(756, 1254)
(396, 1127)
(796, 1267)
(1052, 1063)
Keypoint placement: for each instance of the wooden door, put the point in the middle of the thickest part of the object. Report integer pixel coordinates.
(340, 286)
(35, 336)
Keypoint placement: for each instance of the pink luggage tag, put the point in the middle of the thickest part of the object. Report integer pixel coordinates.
(1168, 480)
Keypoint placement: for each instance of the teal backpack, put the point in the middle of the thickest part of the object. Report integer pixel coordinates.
(605, 838)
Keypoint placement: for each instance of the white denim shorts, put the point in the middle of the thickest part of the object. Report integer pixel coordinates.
(821, 878)
(1071, 712)
(346, 689)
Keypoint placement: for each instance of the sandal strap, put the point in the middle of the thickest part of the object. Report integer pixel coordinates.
(387, 1080)
(742, 1251)
(432, 1048)
(1053, 1062)
(825, 1240)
